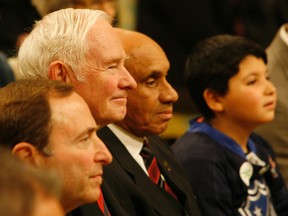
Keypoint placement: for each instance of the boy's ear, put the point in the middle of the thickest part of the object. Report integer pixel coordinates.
(26, 152)
(59, 71)
(213, 100)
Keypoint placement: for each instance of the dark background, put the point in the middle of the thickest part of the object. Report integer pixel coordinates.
(16, 16)
(177, 25)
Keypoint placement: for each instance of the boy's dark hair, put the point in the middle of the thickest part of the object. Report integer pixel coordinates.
(212, 63)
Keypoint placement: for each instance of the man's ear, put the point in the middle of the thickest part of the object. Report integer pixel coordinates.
(213, 100)
(26, 152)
(59, 71)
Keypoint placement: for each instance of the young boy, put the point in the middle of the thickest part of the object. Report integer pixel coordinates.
(232, 170)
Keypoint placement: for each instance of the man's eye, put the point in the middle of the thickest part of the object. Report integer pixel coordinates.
(112, 67)
(150, 82)
(86, 139)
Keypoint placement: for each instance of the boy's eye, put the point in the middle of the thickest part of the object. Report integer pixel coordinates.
(251, 82)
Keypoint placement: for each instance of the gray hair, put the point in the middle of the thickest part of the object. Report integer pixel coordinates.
(59, 36)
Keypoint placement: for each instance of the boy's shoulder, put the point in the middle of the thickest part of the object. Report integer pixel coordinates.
(263, 146)
(201, 144)
(196, 143)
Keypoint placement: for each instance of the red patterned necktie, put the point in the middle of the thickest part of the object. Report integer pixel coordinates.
(153, 169)
(102, 205)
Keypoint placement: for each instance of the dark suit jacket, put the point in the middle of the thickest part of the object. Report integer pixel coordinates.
(137, 194)
(93, 209)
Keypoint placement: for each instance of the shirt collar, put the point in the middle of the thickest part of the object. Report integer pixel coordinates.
(132, 143)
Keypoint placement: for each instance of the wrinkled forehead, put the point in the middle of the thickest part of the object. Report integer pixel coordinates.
(65, 108)
(147, 59)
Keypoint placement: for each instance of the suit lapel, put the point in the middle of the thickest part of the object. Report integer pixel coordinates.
(152, 192)
(121, 154)
(168, 170)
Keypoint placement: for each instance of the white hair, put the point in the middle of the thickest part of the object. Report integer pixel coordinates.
(59, 36)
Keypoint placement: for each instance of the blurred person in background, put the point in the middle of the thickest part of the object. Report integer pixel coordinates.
(26, 191)
(6, 72)
(276, 132)
(44, 7)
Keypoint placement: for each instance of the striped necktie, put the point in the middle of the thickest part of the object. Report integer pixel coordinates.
(102, 205)
(153, 169)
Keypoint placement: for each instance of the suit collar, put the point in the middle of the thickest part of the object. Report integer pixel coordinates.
(125, 160)
(122, 157)
(132, 143)
(120, 153)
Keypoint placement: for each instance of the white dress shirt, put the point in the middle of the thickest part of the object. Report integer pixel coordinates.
(132, 143)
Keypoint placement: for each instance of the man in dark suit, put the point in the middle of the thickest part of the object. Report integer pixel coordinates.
(149, 109)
